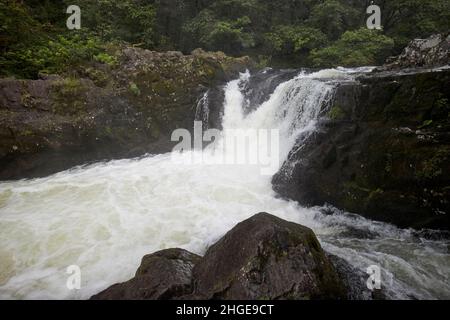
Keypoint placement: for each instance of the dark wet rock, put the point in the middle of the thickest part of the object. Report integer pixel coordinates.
(432, 235)
(354, 280)
(104, 112)
(210, 107)
(382, 151)
(265, 257)
(427, 53)
(162, 275)
(262, 84)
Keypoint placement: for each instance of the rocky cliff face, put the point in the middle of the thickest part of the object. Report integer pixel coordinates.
(382, 151)
(104, 111)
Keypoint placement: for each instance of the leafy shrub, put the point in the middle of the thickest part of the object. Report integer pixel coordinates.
(354, 48)
(51, 55)
(106, 58)
(285, 40)
(128, 20)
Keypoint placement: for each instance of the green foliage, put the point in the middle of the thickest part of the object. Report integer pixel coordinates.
(426, 123)
(52, 55)
(134, 89)
(17, 25)
(128, 20)
(285, 40)
(354, 48)
(333, 17)
(404, 20)
(322, 33)
(104, 57)
(213, 34)
(229, 36)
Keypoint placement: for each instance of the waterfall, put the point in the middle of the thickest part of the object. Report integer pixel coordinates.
(293, 108)
(202, 110)
(104, 217)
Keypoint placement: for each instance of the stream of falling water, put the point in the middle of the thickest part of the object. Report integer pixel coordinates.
(105, 217)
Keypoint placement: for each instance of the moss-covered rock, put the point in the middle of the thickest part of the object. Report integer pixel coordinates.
(385, 156)
(123, 105)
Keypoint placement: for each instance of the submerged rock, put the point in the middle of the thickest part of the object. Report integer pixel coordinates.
(164, 274)
(263, 257)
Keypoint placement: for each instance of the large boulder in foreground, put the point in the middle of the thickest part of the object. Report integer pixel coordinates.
(164, 274)
(266, 257)
(263, 257)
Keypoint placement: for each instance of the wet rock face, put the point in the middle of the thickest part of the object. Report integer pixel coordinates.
(431, 52)
(262, 84)
(383, 151)
(263, 257)
(354, 281)
(164, 274)
(105, 112)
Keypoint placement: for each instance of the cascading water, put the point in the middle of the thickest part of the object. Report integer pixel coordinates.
(105, 217)
(202, 111)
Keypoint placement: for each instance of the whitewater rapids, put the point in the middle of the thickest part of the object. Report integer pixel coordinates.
(105, 217)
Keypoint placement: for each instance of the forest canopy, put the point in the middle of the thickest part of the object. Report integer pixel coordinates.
(308, 33)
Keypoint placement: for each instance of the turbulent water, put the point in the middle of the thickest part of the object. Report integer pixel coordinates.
(106, 216)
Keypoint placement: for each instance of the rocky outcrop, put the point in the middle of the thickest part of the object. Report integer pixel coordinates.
(262, 84)
(104, 110)
(263, 257)
(382, 151)
(162, 275)
(427, 53)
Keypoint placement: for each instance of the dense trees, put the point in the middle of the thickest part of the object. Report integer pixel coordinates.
(358, 47)
(289, 31)
(33, 37)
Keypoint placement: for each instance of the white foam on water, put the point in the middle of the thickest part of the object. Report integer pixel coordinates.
(105, 217)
